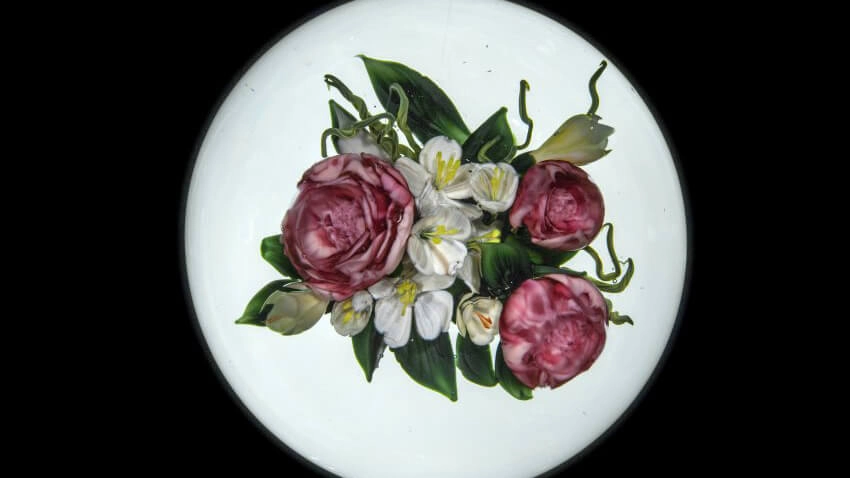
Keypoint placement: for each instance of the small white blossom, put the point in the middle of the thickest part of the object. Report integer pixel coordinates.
(403, 301)
(494, 186)
(351, 316)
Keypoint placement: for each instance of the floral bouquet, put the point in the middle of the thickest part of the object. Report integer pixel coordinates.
(418, 224)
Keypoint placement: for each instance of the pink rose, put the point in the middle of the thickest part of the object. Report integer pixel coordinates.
(349, 225)
(552, 329)
(559, 205)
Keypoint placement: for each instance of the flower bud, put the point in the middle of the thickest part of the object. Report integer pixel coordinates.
(294, 311)
(582, 139)
(478, 318)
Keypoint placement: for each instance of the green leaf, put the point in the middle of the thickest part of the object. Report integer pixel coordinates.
(340, 118)
(430, 363)
(475, 362)
(504, 267)
(539, 255)
(431, 112)
(272, 251)
(522, 162)
(508, 381)
(369, 347)
(457, 290)
(254, 313)
(615, 317)
(492, 141)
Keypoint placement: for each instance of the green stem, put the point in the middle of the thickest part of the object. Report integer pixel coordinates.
(523, 113)
(594, 96)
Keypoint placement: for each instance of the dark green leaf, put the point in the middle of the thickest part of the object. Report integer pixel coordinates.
(457, 290)
(504, 267)
(430, 363)
(254, 313)
(522, 162)
(272, 251)
(494, 136)
(475, 362)
(431, 112)
(369, 347)
(539, 255)
(615, 317)
(340, 118)
(507, 379)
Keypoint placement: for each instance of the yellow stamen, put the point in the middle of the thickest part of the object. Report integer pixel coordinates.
(486, 321)
(491, 237)
(438, 232)
(495, 183)
(348, 309)
(406, 291)
(446, 171)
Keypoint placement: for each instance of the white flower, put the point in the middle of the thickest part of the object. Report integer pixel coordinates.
(478, 318)
(350, 316)
(294, 311)
(494, 186)
(437, 243)
(439, 179)
(401, 300)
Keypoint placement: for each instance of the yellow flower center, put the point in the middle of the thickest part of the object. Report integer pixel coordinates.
(406, 291)
(348, 311)
(496, 183)
(446, 170)
(437, 234)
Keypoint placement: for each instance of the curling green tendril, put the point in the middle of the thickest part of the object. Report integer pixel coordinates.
(346, 93)
(594, 96)
(611, 253)
(401, 117)
(523, 113)
(352, 130)
(613, 287)
(606, 282)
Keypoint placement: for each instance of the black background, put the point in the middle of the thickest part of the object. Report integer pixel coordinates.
(674, 57)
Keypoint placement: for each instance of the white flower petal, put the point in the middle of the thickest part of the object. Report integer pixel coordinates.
(433, 312)
(444, 258)
(438, 148)
(461, 324)
(458, 187)
(361, 143)
(420, 254)
(390, 322)
(470, 211)
(427, 283)
(383, 288)
(415, 175)
(470, 271)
